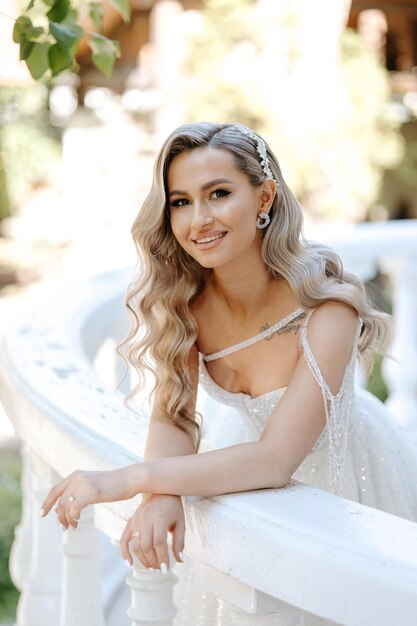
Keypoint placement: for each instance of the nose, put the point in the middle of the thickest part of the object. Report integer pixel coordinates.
(201, 216)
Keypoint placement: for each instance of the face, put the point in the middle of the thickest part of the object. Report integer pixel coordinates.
(213, 206)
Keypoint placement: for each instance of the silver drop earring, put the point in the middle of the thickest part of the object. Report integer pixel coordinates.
(262, 216)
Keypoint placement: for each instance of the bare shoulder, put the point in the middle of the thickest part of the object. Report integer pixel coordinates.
(332, 329)
(334, 315)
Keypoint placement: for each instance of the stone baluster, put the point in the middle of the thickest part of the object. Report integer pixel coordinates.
(40, 586)
(151, 596)
(19, 564)
(401, 377)
(81, 601)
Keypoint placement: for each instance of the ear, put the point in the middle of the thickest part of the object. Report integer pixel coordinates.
(267, 195)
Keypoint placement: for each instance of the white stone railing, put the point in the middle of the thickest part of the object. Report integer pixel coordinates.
(285, 550)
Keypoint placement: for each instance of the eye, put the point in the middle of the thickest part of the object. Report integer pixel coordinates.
(220, 193)
(180, 202)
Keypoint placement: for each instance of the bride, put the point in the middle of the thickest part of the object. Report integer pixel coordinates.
(231, 296)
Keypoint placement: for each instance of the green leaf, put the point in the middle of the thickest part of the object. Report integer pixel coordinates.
(25, 49)
(38, 62)
(123, 7)
(105, 52)
(59, 10)
(30, 5)
(70, 18)
(97, 14)
(66, 36)
(59, 59)
(24, 33)
(32, 34)
(21, 26)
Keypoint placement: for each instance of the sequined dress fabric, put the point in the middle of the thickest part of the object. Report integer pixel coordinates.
(362, 455)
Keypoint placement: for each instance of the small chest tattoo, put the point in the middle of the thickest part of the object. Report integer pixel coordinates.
(292, 327)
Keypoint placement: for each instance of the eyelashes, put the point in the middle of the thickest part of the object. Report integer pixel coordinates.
(179, 202)
(223, 192)
(217, 194)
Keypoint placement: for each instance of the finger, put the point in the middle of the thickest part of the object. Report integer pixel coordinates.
(178, 539)
(62, 518)
(147, 546)
(136, 550)
(53, 495)
(73, 507)
(124, 543)
(160, 544)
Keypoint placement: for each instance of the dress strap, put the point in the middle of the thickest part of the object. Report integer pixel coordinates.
(338, 407)
(262, 335)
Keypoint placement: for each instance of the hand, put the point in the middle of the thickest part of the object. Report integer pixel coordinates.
(82, 488)
(155, 517)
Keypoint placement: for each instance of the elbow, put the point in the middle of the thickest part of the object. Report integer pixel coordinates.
(279, 483)
(278, 471)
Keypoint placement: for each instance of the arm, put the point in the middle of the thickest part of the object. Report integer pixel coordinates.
(289, 435)
(160, 514)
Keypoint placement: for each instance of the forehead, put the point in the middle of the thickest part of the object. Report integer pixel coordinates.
(201, 164)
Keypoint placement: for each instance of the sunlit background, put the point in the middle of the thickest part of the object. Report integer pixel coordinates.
(331, 85)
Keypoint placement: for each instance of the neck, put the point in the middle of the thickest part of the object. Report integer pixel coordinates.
(245, 287)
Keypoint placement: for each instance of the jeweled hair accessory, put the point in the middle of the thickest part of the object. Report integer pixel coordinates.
(260, 148)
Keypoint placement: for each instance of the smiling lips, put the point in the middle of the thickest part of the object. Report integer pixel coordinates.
(210, 238)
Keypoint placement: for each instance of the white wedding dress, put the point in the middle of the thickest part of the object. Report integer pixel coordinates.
(362, 454)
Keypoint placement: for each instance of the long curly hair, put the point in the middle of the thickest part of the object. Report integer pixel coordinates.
(169, 280)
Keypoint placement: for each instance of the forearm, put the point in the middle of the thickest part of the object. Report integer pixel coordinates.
(242, 467)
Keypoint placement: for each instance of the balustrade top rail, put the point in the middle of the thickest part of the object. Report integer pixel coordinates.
(325, 554)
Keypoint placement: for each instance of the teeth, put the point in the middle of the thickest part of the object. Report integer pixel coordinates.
(207, 239)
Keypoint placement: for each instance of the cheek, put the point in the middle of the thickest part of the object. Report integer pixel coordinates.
(179, 228)
(175, 224)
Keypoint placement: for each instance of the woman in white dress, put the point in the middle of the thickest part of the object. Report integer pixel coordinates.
(230, 295)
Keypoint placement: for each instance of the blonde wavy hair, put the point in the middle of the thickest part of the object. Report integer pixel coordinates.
(168, 280)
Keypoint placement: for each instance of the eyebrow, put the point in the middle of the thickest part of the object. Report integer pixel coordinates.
(217, 181)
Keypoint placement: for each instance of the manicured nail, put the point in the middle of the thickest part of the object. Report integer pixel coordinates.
(127, 562)
(181, 555)
(41, 512)
(164, 568)
(63, 527)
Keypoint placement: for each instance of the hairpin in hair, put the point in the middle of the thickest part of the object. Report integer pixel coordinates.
(260, 148)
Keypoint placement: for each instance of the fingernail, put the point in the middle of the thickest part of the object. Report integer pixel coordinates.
(41, 512)
(181, 555)
(127, 562)
(63, 527)
(164, 568)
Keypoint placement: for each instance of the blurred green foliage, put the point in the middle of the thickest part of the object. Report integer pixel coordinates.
(376, 383)
(341, 174)
(48, 33)
(29, 145)
(10, 506)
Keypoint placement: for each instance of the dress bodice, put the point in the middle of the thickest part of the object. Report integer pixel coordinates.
(255, 411)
